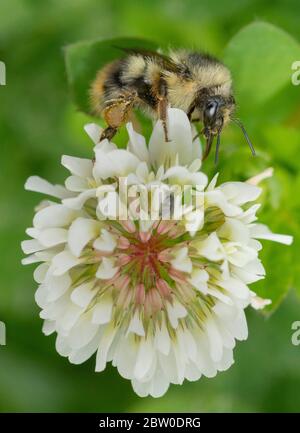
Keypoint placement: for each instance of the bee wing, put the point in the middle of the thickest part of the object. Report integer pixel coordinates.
(165, 61)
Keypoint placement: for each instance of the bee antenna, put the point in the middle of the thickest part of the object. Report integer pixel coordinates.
(217, 148)
(239, 123)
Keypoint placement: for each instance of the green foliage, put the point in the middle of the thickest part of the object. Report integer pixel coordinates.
(260, 57)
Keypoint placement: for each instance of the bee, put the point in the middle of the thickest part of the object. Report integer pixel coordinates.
(197, 83)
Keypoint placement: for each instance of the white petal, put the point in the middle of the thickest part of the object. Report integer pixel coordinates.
(53, 236)
(175, 312)
(64, 261)
(106, 242)
(240, 192)
(118, 162)
(213, 183)
(33, 232)
(251, 272)
(83, 354)
(204, 362)
(79, 166)
(156, 387)
(144, 358)
(76, 184)
(57, 286)
(194, 221)
(62, 346)
(226, 361)
(137, 144)
(136, 325)
(37, 184)
(211, 248)
(215, 340)
(261, 231)
(103, 309)
(56, 215)
(259, 303)
(187, 344)
(78, 202)
(31, 246)
(83, 294)
(81, 231)
(40, 273)
(180, 136)
(69, 318)
(182, 262)
(48, 327)
(234, 230)
(199, 279)
(236, 287)
(218, 199)
(192, 372)
(255, 180)
(125, 356)
(82, 333)
(106, 269)
(93, 131)
(104, 346)
(162, 339)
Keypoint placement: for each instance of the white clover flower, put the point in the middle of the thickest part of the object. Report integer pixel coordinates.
(162, 299)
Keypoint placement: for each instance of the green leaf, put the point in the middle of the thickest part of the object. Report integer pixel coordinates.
(260, 57)
(84, 59)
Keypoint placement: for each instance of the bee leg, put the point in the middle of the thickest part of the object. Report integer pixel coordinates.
(162, 92)
(162, 114)
(108, 133)
(116, 113)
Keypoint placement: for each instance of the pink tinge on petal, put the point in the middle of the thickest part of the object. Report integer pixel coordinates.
(165, 256)
(140, 294)
(155, 224)
(124, 298)
(154, 300)
(175, 232)
(123, 259)
(123, 243)
(128, 225)
(177, 275)
(164, 288)
(164, 227)
(145, 236)
(122, 282)
(100, 254)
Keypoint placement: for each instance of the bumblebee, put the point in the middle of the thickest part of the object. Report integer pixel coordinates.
(197, 83)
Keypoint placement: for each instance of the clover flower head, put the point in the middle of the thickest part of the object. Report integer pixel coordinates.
(160, 297)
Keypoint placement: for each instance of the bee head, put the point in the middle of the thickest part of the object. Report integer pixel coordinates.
(217, 111)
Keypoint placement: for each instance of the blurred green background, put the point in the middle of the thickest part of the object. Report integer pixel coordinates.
(38, 123)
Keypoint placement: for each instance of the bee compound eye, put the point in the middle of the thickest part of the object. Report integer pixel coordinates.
(210, 109)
